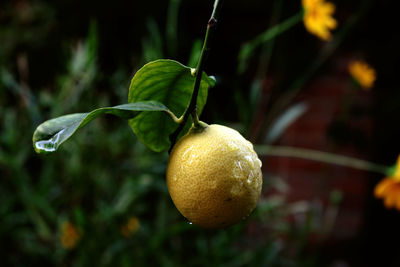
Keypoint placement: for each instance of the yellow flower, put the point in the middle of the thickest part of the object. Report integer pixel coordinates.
(363, 73)
(318, 18)
(69, 235)
(389, 188)
(130, 227)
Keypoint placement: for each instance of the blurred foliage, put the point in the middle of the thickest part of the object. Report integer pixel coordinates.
(104, 176)
(99, 179)
(70, 208)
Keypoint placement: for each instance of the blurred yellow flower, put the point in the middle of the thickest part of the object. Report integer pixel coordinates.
(318, 18)
(389, 188)
(130, 227)
(363, 73)
(69, 235)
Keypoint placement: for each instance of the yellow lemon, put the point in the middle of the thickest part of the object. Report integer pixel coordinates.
(214, 176)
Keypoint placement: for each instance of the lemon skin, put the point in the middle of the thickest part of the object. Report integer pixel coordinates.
(214, 176)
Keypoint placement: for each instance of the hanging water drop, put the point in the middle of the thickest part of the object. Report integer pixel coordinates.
(49, 145)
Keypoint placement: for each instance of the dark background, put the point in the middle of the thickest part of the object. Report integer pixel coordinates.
(43, 32)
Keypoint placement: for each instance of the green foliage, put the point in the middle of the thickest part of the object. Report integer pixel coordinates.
(170, 83)
(49, 135)
(81, 71)
(284, 121)
(157, 83)
(104, 175)
(152, 45)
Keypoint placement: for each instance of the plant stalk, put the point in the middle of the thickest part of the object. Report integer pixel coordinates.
(192, 107)
(309, 154)
(211, 25)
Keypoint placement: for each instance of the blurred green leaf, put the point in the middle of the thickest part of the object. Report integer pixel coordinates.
(49, 135)
(152, 45)
(195, 53)
(125, 197)
(82, 72)
(168, 82)
(284, 121)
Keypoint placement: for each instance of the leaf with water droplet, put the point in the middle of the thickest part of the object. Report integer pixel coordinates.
(49, 135)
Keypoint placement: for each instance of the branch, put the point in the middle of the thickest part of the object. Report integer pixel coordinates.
(192, 107)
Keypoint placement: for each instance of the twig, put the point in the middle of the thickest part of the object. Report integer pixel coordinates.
(192, 107)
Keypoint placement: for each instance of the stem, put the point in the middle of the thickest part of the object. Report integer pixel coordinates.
(173, 117)
(192, 107)
(212, 23)
(285, 151)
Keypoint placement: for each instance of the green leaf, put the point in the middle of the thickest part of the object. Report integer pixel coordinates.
(284, 121)
(49, 135)
(170, 83)
(195, 53)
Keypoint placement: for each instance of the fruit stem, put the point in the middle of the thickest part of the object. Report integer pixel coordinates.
(200, 127)
(192, 107)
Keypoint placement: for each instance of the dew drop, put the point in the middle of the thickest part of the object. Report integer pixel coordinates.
(232, 146)
(185, 154)
(49, 145)
(250, 178)
(245, 217)
(237, 169)
(249, 145)
(249, 160)
(259, 162)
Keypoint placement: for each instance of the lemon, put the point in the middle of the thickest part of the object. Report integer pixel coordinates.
(214, 176)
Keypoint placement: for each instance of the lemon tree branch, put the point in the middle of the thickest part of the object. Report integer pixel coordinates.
(212, 23)
(192, 107)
